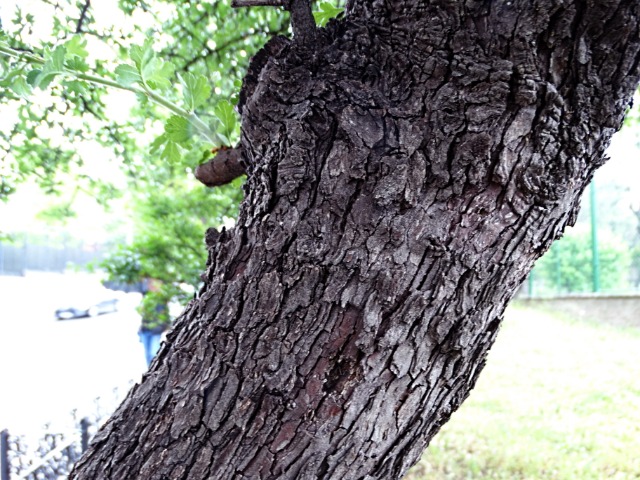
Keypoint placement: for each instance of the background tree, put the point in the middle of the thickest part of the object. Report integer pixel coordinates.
(159, 187)
(406, 166)
(567, 266)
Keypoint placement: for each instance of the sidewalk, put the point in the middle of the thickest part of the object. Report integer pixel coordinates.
(49, 367)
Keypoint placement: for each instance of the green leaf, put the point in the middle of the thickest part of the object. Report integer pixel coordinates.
(171, 152)
(195, 90)
(32, 76)
(75, 86)
(327, 12)
(45, 79)
(224, 140)
(53, 66)
(157, 73)
(158, 143)
(127, 75)
(56, 62)
(178, 129)
(204, 152)
(152, 72)
(55, 213)
(77, 63)
(227, 116)
(141, 55)
(77, 46)
(13, 78)
(21, 87)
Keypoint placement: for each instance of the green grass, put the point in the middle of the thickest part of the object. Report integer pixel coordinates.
(558, 400)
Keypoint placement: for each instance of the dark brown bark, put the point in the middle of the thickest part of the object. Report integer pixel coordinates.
(404, 173)
(225, 167)
(302, 22)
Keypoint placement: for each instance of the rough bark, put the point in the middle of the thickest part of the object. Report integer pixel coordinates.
(404, 172)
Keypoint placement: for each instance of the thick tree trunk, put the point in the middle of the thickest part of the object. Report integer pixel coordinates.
(405, 171)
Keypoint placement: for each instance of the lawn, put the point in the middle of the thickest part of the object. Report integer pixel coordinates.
(559, 399)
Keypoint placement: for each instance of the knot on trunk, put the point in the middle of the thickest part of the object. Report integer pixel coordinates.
(225, 167)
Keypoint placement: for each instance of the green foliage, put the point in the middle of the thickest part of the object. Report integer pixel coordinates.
(635, 264)
(154, 308)
(567, 266)
(124, 264)
(195, 90)
(56, 106)
(326, 12)
(148, 73)
(58, 212)
(128, 75)
(168, 240)
(207, 45)
(154, 73)
(228, 119)
(77, 47)
(186, 77)
(62, 60)
(177, 129)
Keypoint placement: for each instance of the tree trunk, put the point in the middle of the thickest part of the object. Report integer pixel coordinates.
(405, 171)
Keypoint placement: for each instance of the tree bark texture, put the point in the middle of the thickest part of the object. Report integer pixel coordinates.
(404, 172)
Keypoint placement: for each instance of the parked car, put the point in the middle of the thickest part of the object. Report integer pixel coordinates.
(88, 307)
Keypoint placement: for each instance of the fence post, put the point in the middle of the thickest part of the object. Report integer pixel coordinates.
(5, 469)
(84, 434)
(595, 255)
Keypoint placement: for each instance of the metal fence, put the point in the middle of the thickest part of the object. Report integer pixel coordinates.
(51, 458)
(571, 273)
(27, 253)
(51, 455)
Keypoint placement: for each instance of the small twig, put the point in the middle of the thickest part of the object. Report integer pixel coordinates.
(83, 15)
(259, 3)
(221, 169)
(302, 21)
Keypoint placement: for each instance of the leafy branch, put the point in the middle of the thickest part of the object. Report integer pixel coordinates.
(147, 76)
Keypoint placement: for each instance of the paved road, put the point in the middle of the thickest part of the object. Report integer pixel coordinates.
(49, 367)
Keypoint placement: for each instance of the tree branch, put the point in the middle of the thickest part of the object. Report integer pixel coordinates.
(259, 3)
(83, 15)
(221, 169)
(302, 21)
